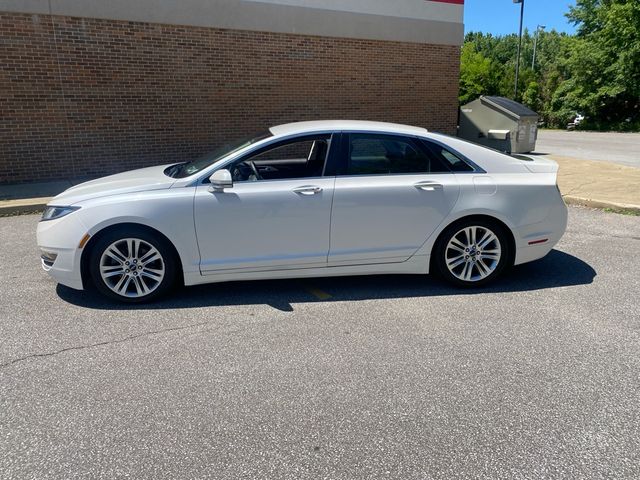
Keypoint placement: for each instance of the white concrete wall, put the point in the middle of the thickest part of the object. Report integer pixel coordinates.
(421, 21)
(415, 9)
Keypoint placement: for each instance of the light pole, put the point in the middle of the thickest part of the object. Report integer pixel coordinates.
(535, 45)
(515, 91)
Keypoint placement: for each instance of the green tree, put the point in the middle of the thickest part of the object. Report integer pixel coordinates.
(477, 74)
(595, 72)
(531, 96)
(604, 63)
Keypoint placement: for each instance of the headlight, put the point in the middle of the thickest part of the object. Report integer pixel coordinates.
(51, 213)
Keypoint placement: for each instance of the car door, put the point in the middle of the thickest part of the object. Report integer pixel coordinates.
(277, 219)
(391, 193)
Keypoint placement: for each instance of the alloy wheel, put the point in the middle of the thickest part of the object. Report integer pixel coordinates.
(132, 267)
(473, 253)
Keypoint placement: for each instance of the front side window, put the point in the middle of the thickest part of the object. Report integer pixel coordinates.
(187, 169)
(376, 154)
(303, 157)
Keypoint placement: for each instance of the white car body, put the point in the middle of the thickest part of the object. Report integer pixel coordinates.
(363, 224)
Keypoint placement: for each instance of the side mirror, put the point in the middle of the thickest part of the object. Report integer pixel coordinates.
(221, 179)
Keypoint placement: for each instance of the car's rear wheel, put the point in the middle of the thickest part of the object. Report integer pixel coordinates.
(472, 252)
(132, 265)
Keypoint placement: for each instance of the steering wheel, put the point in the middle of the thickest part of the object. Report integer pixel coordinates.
(255, 169)
(244, 171)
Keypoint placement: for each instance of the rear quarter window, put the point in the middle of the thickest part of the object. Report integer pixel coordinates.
(450, 159)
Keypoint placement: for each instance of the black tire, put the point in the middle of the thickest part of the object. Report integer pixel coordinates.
(132, 292)
(443, 254)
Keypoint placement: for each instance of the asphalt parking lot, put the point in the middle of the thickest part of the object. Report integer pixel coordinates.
(621, 148)
(365, 377)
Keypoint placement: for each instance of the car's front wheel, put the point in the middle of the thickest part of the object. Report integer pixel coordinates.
(472, 252)
(132, 265)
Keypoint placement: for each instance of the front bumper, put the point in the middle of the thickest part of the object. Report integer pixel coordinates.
(61, 257)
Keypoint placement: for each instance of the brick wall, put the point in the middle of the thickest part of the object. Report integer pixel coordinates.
(86, 97)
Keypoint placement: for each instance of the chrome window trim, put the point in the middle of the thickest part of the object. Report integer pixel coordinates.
(395, 174)
(303, 179)
(202, 177)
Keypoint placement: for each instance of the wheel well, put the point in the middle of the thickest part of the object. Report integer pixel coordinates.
(487, 218)
(86, 252)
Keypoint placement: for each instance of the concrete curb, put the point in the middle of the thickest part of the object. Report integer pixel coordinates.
(587, 202)
(23, 206)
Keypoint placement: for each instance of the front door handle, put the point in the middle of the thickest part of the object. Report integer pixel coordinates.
(307, 190)
(428, 186)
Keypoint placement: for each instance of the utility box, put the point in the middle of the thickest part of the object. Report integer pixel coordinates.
(499, 123)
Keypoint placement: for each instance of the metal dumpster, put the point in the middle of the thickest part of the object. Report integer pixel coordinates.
(499, 123)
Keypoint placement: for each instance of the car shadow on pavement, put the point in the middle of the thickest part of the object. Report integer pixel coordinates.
(557, 269)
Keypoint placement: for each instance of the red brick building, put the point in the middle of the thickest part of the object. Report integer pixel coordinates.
(90, 87)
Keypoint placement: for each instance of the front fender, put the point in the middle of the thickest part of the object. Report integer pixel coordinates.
(168, 211)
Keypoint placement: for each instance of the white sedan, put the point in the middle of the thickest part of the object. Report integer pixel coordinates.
(306, 199)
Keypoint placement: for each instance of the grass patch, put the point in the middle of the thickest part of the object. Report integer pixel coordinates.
(623, 211)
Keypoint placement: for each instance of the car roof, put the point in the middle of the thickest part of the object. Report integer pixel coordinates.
(344, 125)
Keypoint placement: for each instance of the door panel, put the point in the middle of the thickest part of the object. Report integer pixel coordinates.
(390, 195)
(264, 224)
(387, 218)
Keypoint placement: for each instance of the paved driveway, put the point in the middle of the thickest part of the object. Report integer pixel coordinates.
(393, 377)
(622, 148)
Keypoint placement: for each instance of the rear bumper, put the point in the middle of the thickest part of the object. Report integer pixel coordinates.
(529, 254)
(529, 242)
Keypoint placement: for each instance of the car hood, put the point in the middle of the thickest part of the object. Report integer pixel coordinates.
(143, 179)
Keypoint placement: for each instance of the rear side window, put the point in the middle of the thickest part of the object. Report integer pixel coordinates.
(453, 161)
(377, 154)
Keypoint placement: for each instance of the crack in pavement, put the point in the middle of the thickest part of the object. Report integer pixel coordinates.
(99, 344)
(603, 235)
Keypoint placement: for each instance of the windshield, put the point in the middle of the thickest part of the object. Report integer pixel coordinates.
(186, 169)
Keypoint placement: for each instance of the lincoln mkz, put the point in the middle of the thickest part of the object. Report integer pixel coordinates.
(306, 199)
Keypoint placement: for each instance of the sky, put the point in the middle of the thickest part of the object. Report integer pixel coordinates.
(501, 17)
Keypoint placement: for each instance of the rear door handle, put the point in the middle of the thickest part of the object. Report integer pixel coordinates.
(428, 186)
(307, 190)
